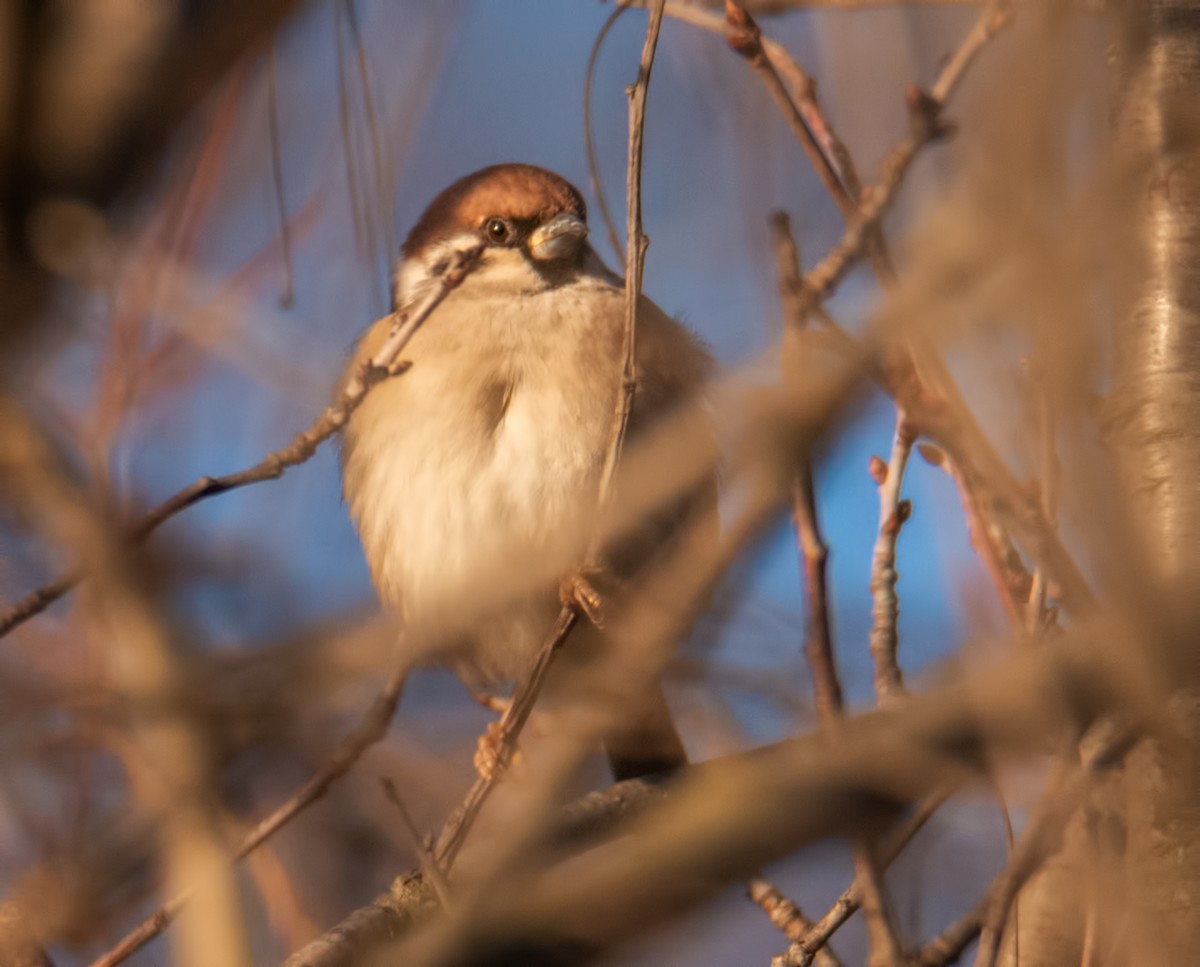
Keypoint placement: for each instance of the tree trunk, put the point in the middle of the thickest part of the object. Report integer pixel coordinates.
(1156, 441)
(1134, 858)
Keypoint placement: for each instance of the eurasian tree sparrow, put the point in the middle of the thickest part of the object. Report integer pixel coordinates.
(485, 451)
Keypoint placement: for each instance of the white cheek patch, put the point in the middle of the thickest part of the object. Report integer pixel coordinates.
(413, 277)
(507, 271)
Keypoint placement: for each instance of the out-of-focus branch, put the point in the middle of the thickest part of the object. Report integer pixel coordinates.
(1041, 839)
(370, 729)
(167, 763)
(730, 817)
(383, 364)
(411, 899)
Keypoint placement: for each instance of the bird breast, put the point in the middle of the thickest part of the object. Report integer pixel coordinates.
(482, 455)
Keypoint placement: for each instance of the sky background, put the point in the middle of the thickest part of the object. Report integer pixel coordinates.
(460, 85)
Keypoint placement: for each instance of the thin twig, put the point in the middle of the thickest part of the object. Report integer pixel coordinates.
(814, 553)
(382, 175)
(635, 251)
(1000, 559)
(358, 206)
(745, 38)
(383, 364)
(424, 852)
(370, 729)
(885, 947)
(804, 950)
(784, 914)
(885, 606)
(589, 139)
(454, 832)
(1047, 488)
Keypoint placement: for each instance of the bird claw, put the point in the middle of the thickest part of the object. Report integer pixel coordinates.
(489, 753)
(493, 703)
(578, 591)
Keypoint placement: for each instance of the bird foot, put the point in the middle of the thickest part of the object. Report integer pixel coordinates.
(578, 590)
(493, 703)
(489, 753)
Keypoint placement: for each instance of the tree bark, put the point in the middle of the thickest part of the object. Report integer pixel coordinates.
(1155, 436)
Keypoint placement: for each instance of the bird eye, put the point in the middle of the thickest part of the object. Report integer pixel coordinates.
(497, 230)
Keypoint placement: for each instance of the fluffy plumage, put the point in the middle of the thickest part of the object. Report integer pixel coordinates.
(486, 450)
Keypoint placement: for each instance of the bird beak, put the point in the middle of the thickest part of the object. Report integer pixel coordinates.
(559, 238)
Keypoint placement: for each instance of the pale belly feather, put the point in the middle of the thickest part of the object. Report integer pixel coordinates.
(482, 456)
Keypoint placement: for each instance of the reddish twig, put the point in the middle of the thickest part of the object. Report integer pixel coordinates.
(745, 38)
(370, 729)
(384, 363)
(784, 914)
(288, 293)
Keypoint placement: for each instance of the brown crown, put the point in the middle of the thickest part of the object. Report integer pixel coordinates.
(516, 191)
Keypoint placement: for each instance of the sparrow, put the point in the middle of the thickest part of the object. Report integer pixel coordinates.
(487, 447)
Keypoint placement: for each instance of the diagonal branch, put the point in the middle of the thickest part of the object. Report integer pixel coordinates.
(383, 364)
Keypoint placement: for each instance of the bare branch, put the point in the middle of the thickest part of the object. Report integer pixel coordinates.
(636, 245)
(383, 364)
(456, 828)
(802, 953)
(893, 512)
